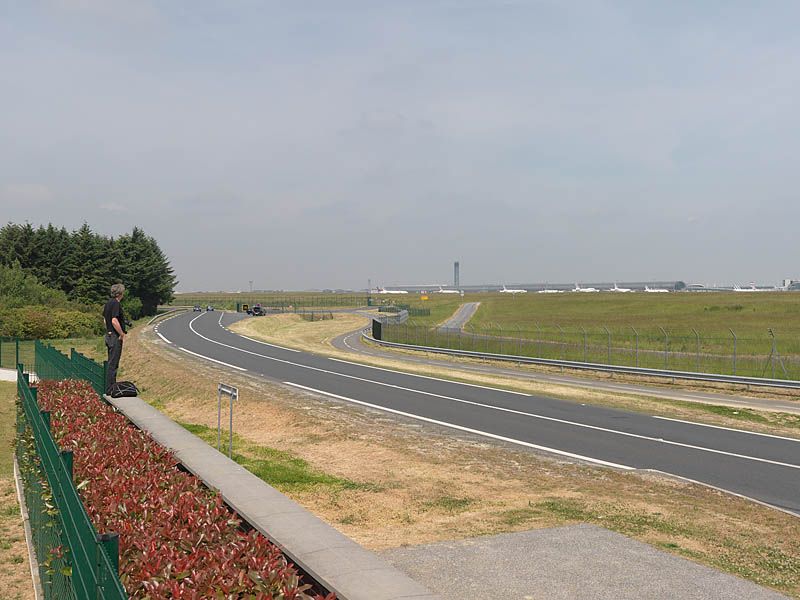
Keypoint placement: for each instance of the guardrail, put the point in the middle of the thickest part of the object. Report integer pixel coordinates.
(74, 561)
(569, 364)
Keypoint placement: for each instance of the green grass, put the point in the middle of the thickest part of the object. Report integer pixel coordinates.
(280, 469)
(582, 327)
(8, 417)
(709, 313)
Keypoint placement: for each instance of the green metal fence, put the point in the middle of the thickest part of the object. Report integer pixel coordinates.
(74, 561)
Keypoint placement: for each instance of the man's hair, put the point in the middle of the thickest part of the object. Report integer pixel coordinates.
(117, 290)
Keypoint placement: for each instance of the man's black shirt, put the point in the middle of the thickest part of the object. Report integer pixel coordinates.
(114, 309)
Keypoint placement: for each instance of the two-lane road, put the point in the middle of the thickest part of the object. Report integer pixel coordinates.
(763, 467)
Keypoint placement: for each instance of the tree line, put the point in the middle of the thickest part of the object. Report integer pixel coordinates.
(83, 264)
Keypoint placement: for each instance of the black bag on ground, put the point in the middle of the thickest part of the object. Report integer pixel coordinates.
(122, 389)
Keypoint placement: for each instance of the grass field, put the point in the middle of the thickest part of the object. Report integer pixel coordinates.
(680, 331)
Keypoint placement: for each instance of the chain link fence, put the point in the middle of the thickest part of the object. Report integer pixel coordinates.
(767, 355)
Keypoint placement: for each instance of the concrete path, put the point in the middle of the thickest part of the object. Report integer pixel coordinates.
(461, 317)
(565, 563)
(8, 375)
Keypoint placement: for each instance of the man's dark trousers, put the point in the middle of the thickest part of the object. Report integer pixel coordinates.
(114, 347)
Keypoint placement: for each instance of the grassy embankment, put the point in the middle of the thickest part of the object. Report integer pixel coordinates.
(583, 326)
(387, 483)
(15, 575)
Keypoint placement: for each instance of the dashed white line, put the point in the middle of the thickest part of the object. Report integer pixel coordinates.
(482, 387)
(214, 360)
(777, 437)
(162, 337)
(467, 429)
(499, 408)
(267, 343)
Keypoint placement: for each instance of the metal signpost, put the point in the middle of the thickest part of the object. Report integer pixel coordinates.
(233, 394)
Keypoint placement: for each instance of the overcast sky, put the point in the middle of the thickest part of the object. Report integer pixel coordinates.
(317, 144)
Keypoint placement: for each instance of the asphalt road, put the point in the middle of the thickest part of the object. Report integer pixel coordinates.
(759, 466)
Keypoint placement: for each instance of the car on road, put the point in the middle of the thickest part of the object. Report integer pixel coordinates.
(197, 308)
(209, 308)
(258, 311)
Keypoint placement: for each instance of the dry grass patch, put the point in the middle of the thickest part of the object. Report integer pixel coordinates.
(15, 574)
(414, 483)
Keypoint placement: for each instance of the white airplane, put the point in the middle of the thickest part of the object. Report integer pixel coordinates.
(443, 291)
(619, 289)
(549, 291)
(585, 290)
(752, 288)
(505, 290)
(381, 290)
(650, 290)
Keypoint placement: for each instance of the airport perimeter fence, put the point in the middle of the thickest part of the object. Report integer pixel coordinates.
(75, 562)
(768, 355)
(273, 301)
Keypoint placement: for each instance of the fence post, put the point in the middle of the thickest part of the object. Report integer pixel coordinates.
(608, 353)
(108, 543)
(16, 351)
(563, 342)
(636, 336)
(519, 340)
(772, 353)
(666, 347)
(697, 350)
(584, 343)
(734, 350)
(67, 459)
(500, 330)
(538, 341)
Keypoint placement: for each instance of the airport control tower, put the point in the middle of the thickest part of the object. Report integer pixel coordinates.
(455, 275)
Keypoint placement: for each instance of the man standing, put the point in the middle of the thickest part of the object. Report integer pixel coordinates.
(115, 331)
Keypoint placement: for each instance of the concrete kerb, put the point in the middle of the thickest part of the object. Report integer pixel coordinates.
(332, 559)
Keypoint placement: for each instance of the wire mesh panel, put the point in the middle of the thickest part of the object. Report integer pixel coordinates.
(74, 560)
(767, 356)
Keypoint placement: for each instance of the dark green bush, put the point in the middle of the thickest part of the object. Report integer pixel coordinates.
(46, 323)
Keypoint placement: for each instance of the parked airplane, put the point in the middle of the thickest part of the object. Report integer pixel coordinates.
(650, 290)
(381, 290)
(619, 289)
(505, 290)
(751, 288)
(549, 291)
(443, 291)
(580, 289)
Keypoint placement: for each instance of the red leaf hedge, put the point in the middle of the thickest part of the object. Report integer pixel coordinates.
(177, 538)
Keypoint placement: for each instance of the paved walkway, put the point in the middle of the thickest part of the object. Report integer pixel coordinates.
(8, 375)
(461, 317)
(566, 563)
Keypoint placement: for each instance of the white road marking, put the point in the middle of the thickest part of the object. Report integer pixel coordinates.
(777, 437)
(162, 337)
(502, 409)
(714, 487)
(266, 343)
(220, 318)
(467, 429)
(212, 359)
(483, 387)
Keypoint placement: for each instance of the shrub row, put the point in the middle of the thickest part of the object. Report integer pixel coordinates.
(45, 323)
(177, 538)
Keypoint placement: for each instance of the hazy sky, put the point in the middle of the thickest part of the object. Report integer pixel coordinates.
(316, 144)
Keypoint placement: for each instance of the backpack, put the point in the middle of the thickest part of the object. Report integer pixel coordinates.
(122, 389)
